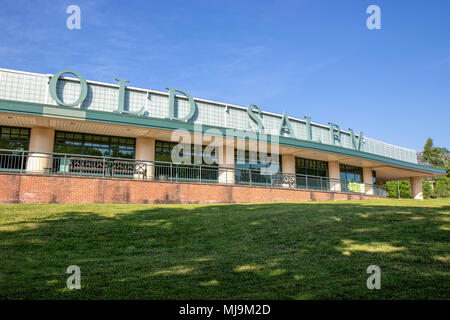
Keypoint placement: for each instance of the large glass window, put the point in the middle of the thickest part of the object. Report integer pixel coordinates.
(202, 166)
(13, 138)
(94, 145)
(311, 174)
(351, 173)
(196, 153)
(351, 177)
(250, 167)
(311, 167)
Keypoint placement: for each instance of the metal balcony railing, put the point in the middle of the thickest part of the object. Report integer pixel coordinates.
(74, 164)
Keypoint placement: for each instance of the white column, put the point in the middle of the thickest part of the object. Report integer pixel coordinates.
(334, 173)
(145, 150)
(368, 180)
(226, 160)
(41, 141)
(416, 188)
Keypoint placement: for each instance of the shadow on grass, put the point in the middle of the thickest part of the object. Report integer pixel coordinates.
(237, 251)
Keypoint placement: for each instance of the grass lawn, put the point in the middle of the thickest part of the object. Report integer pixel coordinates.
(231, 251)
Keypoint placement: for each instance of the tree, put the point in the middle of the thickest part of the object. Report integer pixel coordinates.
(447, 161)
(437, 157)
(405, 189)
(426, 189)
(432, 155)
(442, 188)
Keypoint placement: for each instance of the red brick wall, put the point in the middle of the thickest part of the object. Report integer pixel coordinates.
(62, 189)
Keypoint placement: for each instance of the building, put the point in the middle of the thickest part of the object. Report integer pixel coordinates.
(65, 139)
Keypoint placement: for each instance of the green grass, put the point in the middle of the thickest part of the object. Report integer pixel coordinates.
(237, 251)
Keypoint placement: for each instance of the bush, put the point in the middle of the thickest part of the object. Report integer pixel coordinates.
(426, 189)
(442, 188)
(405, 189)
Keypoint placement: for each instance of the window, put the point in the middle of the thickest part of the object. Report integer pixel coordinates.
(349, 176)
(13, 138)
(94, 145)
(163, 152)
(311, 174)
(311, 167)
(249, 167)
(197, 168)
(351, 173)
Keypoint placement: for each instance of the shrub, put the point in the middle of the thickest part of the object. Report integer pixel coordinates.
(426, 189)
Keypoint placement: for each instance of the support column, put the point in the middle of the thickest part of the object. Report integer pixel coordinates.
(226, 161)
(335, 176)
(288, 166)
(41, 143)
(145, 150)
(368, 180)
(416, 188)
(288, 163)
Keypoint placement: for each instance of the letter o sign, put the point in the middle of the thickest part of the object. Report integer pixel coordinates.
(54, 81)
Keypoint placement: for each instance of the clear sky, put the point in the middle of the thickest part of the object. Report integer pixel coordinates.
(311, 57)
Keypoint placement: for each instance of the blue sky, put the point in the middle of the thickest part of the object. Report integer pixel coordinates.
(311, 57)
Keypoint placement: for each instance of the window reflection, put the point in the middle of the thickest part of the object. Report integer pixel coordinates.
(249, 167)
(94, 145)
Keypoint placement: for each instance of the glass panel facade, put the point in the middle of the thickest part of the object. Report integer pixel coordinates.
(205, 163)
(94, 145)
(311, 167)
(249, 167)
(197, 154)
(311, 174)
(351, 178)
(13, 138)
(351, 173)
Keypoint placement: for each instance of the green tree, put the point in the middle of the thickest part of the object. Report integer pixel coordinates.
(437, 157)
(442, 187)
(405, 189)
(447, 161)
(432, 155)
(426, 189)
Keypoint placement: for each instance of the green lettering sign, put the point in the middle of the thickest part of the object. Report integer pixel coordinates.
(357, 145)
(191, 101)
(308, 128)
(254, 117)
(121, 104)
(54, 95)
(285, 125)
(335, 133)
(121, 94)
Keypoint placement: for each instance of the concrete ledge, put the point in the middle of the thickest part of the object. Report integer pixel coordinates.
(29, 188)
